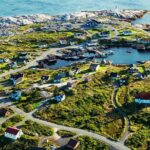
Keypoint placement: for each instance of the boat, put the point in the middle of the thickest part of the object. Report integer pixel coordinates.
(129, 52)
(140, 62)
(110, 53)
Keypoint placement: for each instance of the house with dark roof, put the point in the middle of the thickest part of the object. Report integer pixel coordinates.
(73, 144)
(114, 75)
(143, 98)
(91, 24)
(13, 133)
(4, 112)
(79, 35)
(44, 79)
(23, 55)
(104, 34)
(16, 78)
(94, 67)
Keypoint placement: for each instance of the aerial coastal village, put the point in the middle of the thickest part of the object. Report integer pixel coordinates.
(77, 81)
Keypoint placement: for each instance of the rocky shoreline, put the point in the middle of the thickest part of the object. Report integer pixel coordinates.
(42, 18)
(123, 14)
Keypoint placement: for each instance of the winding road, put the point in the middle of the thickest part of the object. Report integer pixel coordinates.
(125, 117)
(29, 116)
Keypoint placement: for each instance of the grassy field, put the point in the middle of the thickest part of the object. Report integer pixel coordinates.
(32, 128)
(139, 115)
(12, 121)
(24, 143)
(87, 143)
(89, 107)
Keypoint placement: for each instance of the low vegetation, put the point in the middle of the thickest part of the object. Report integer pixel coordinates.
(12, 121)
(99, 116)
(87, 143)
(32, 128)
(64, 133)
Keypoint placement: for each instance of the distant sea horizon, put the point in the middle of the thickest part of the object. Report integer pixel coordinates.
(57, 7)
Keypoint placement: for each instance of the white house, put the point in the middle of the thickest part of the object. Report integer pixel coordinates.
(63, 42)
(94, 67)
(13, 133)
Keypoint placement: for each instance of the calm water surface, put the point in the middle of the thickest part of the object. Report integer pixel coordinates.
(120, 57)
(53, 7)
(144, 20)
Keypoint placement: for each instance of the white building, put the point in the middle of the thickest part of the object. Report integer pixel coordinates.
(13, 133)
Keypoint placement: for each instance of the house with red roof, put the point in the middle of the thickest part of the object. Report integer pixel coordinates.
(143, 98)
(13, 133)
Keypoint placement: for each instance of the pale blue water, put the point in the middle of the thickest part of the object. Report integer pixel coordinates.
(53, 7)
(120, 57)
(144, 20)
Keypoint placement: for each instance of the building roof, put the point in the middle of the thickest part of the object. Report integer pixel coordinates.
(72, 144)
(144, 96)
(45, 77)
(12, 130)
(95, 65)
(39, 148)
(16, 76)
(3, 111)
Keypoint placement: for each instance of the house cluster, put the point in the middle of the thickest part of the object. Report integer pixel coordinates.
(133, 69)
(4, 60)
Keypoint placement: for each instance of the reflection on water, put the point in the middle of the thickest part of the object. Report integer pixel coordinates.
(121, 56)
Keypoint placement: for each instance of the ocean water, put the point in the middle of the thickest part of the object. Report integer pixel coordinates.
(53, 7)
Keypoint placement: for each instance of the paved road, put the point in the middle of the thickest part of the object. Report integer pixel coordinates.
(29, 116)
(127, 124)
